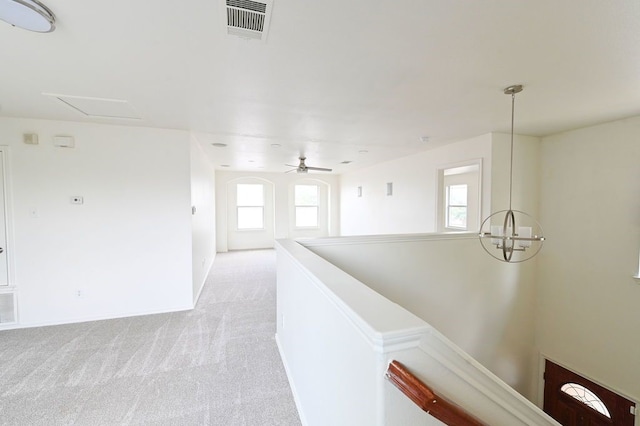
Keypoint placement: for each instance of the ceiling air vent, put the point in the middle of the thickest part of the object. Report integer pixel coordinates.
(248, 18)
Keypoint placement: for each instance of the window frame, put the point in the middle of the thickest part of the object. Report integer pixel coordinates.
(296, 205)
(470, 172)
(249, 206)
(448, 206)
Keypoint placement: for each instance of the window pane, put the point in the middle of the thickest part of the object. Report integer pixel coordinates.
(250, 218)
(457, 217)
(457, 195)
(585, 396)
(250, 194)
(306, 217)
(306, 195)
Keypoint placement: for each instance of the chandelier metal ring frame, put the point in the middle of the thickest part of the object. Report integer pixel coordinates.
(510, 238)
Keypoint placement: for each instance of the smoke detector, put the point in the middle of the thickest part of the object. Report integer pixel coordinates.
(248, 18)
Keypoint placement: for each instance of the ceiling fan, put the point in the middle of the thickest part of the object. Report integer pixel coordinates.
(303, 168)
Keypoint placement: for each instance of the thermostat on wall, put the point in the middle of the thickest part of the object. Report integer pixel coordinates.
(63, 141)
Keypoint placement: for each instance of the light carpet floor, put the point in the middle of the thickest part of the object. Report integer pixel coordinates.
(215, 365)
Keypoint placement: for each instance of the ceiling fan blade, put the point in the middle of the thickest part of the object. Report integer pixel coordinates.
(291, 165)
(319, 169)
(292, 170)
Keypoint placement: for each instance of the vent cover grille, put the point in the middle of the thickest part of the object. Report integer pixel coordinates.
(247, 18)
(248, 5)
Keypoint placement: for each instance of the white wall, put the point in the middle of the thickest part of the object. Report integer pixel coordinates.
(412, 207)
(203, 223)
(526, 173)
(482, 305)
(127, 249)
(283, 192)
(588, 304)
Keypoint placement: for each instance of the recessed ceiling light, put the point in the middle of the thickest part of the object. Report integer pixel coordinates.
(224, 165)
(219, 145)
(363, 151)
(346, 162)
(275, 145)
(28, 14)
(424, 139)
(251, 161)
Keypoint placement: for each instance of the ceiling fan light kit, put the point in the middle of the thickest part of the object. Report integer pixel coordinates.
(514, 232)
(28, 14)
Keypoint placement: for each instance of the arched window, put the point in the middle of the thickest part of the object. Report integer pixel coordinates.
(585, 396)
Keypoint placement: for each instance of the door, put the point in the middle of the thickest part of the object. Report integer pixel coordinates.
(573, 400)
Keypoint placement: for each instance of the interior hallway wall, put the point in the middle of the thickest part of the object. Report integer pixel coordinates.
(412, 207)
(203, 216)
(127, 249)
(588, 316)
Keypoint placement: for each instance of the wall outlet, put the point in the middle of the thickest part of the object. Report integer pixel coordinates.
(79, 293)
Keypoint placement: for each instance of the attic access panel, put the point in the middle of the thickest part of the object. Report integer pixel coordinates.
(98, 107)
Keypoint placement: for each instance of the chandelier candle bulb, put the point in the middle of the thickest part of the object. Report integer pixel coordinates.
(496, 231)
(524, 232)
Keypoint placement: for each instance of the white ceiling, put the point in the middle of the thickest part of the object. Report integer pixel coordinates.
(334, 77)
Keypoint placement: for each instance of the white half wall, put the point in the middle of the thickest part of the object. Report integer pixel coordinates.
(412, 207)
(203, 217)
(282, 203)
(336, 337)
(588, 304)
(482, 305)
(127, 249)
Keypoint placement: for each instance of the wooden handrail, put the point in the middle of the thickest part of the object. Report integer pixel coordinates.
(443, 410)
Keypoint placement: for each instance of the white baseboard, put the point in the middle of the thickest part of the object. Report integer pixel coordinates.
(95, 318)
(195, 300)
(292, 385)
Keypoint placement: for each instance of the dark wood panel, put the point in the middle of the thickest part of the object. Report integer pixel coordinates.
(568, 411)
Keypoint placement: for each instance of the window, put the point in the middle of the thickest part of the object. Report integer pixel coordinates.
(306, 206)
(250, 202)
(456, 207)
(585, 396)
(459, 196)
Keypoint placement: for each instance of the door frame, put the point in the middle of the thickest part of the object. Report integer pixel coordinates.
(8, 214)
(12, 287)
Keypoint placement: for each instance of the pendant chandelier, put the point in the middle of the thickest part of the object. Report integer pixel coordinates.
(511, 235)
